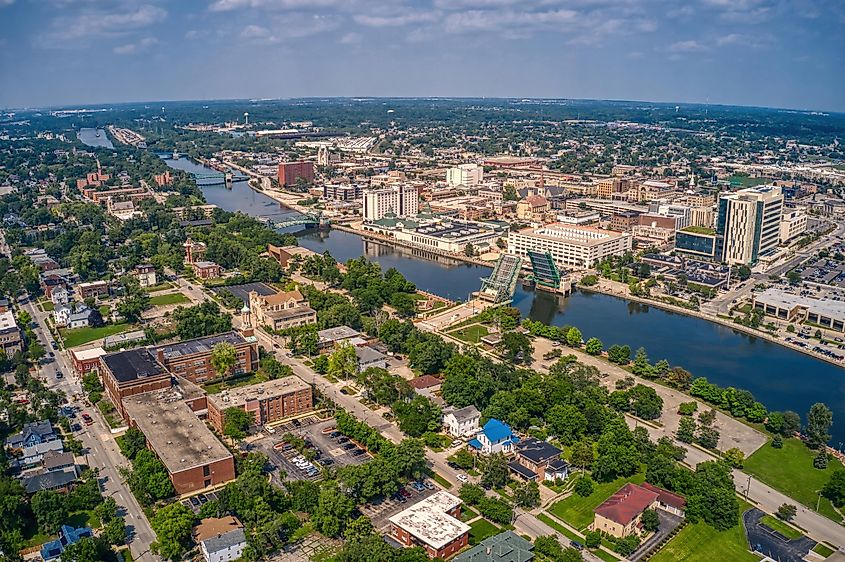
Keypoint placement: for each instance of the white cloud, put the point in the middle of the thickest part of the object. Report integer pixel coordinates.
(137, 47)
(689, 46)
(398, 20)
(98, 23)
(508, 20)
(4, 3)
(351, 39)
(292, 26)
(229, 5)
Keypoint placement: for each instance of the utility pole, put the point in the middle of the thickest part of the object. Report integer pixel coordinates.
(748, 488)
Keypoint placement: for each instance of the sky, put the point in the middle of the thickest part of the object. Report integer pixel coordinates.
(773, 53)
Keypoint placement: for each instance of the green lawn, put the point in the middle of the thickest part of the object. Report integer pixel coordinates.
(747, 181)
(79, 336)
(470, 334)
(467, 514)
(105, 310)
(790, 470)
(822, 550)
(578, 511)
(172, 298)
(606, 556)
(215, 387)
(442, 481)
(480, 530)
(700, 542)
(159, 287)
(781, 527)
(47, 306)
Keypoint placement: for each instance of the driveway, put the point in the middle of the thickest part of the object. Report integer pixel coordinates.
(668, 523)
(771, 543)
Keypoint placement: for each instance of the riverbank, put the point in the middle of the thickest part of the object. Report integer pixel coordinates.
(626, 295)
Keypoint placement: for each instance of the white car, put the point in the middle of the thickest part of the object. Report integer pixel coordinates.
(463, 477)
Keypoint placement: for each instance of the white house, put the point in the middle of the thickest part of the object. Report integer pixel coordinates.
(59, 296)
(61, 315)
(221, 539)
(462, 422)
(80, 319)
(495, 437)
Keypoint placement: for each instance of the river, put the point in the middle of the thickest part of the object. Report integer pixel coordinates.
(89, 137)
(779, 377)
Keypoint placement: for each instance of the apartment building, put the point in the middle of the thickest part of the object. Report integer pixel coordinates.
(268, 401)
(11, 340)
(569, 245)
(748, 224)
(191, 359)
(290, 172)
(401, 199)
(434, 524)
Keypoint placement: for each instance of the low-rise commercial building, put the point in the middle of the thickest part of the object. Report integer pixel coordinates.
(191, 359)
(195, 459)
(267, 401)
(434, 524)
(573, 246)
(697, 242)
(789, 307)
(85, 361)
(284, 254)
(91, 289)
(620, 514)
(11, 340)
(439, 235)
(328, 338)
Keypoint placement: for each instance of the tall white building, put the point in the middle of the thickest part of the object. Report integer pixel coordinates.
(570, 245)
(402, 199)
(749, 224)
(467, 175)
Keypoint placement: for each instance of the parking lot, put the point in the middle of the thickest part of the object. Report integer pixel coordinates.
(323, 447)
(382, 509)
(194, 503)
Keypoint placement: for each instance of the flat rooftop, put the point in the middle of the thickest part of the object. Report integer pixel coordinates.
(261, 391)
(199, 345)
(133, 364)
(7, 320)
(826, 307)
(87, 354)
(428, 521)
(180, 439)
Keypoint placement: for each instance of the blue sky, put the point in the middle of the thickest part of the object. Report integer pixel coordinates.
(778, 53)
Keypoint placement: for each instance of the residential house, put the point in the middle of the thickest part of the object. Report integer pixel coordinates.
(67, 536)
(667, 501)
(92, 289)
(463, 422)
(33, 454)
(494, 437)
(330, 337)
(55, 480)
(369, 357)
(59, 296)
(32, 434)
(504, 547)
(426, 385)
(220, 539)
(206, 270)
(538, 461)
(11, 340)
(146, 275)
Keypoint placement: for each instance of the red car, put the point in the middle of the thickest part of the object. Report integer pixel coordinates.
(87, 419)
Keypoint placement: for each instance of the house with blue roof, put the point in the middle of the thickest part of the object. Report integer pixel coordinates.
(495, 437)
(32, 434)
(67, 536)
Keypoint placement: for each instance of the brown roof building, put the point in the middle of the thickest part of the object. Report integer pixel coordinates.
(619, 515)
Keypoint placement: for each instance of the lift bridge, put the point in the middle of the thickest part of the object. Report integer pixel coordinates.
(546, 275)
(216, 178)
(310, 220)
(501, 284)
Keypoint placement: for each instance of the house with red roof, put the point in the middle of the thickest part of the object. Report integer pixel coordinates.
(619, 515)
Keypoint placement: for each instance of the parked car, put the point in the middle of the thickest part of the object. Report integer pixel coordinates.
(195, 502)
(280, 445)
(463, 477)
(202, 498)
(348, 446)
(428, 485)
(59, 375)
(87, 419)
(576, 545)
(334, 434)
(76, 427)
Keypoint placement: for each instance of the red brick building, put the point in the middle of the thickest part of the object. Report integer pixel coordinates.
(267, 401)
(86, 360)
(289, 172)
(434, 524)
(131, 372)
(206, 269)
(191, 359)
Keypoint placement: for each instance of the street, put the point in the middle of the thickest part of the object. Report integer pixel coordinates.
(98, 441)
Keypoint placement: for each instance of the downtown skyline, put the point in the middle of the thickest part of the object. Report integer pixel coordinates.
(772, 53)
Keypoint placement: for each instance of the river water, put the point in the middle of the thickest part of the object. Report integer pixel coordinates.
(89, 137)
(780, 378)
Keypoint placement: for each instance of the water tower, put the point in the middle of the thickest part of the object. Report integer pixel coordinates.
(246, 118)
